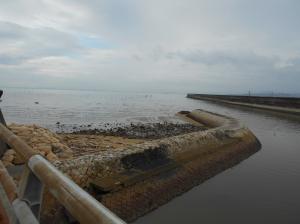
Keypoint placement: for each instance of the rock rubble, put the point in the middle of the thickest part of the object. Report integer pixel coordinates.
(145, 131)
(43, 141)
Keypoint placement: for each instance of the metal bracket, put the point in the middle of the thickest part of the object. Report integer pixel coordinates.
(31, 191)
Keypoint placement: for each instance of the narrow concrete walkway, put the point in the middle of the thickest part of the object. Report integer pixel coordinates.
(289, 110)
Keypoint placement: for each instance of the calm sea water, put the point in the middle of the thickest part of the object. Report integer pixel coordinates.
(261, 189)
(74, 108)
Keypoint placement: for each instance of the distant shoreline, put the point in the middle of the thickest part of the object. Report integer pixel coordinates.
(290, 105)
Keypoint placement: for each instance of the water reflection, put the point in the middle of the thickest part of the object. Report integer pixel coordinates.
(262, 189)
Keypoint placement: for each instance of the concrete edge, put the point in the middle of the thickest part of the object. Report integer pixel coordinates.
(124, 181)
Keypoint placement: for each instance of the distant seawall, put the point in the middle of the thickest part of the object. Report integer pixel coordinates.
(290, 105)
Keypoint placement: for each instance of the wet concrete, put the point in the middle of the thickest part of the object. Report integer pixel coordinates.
(139, 178)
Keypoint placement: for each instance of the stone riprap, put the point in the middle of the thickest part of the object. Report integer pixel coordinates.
(43, 141)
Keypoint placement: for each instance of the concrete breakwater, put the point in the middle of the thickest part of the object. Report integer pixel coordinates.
(138, 178)
(289, 105)
(133, 173)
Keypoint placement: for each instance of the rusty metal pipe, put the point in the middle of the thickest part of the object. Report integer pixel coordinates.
(8, 183)
(7, 214)
(4, 207)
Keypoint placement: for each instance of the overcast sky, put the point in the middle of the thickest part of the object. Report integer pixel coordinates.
(229, 46)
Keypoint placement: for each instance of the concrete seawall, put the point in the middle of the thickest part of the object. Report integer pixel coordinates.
(288, 105)
(133, 181)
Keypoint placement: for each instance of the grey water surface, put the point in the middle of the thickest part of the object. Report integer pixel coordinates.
(262, 189)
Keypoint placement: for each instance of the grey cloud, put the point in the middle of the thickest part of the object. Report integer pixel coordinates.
(11, 59)
(195, 43)
(20, 43)
(11, 31)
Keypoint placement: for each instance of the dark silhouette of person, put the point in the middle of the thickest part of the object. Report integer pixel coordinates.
(3, 146)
